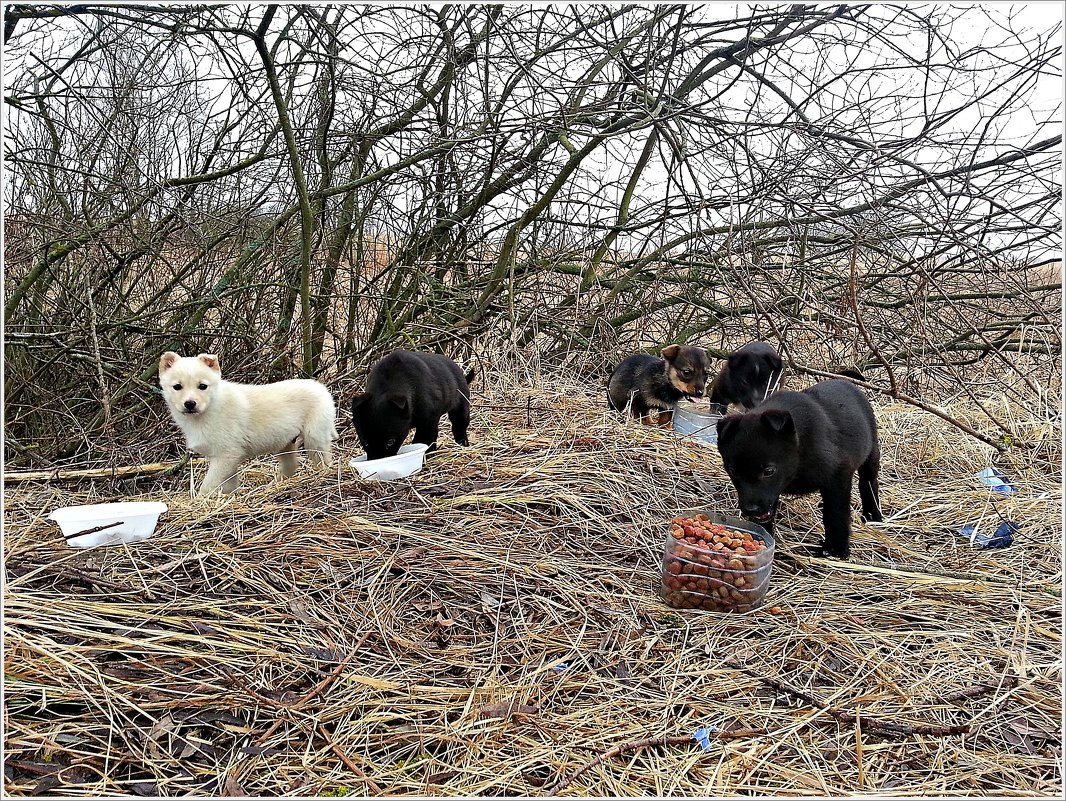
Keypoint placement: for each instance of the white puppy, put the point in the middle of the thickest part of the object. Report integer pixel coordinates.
(229, 423)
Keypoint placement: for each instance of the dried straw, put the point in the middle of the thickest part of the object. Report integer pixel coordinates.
(490, 627)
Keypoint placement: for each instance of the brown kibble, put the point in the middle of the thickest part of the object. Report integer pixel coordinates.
(775, 610)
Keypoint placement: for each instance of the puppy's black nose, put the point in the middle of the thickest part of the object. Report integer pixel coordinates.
(190, 404)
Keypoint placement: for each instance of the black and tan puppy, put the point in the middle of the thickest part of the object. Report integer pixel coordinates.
(648, 384)
(797, 443)
(408, 390)
(747, 377)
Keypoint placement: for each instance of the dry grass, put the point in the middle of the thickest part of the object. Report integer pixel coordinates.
(489, 626)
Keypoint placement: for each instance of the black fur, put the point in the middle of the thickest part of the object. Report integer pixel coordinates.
(747, 376)
(408, 390)
(850, 372)
(647, 383)
(797, 443)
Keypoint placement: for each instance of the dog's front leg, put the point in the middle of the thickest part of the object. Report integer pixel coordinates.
(836, 518)
(290, 461)
(221, 472)
(426, 433)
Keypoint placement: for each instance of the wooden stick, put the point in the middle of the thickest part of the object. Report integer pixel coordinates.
(867, 722)
(343, 757)
(981, 689)
(98, 472)
(93, 530)
(316, 689)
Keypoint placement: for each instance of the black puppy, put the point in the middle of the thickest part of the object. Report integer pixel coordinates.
(747, 377)
(408, 390)
(801, 442)
(646, 383)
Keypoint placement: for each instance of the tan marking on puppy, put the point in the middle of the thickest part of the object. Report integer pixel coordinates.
(687, 368)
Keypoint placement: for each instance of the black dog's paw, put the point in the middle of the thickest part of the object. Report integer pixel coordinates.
(835, 553)
(874, 517)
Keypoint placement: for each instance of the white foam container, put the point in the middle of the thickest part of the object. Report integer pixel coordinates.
(137, 522)
(407, 461)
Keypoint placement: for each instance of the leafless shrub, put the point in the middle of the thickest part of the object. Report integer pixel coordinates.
(301, 189)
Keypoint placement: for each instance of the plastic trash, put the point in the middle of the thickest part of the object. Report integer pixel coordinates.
(703, 737)
(1002, 537)
(991, 477)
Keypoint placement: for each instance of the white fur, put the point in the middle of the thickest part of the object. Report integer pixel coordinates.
(229, 423)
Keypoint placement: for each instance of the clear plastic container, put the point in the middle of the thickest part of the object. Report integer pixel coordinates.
(722, 580)
(697, 421)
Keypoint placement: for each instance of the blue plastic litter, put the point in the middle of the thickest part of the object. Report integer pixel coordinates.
(703, 737)
(560, 667)
(991, 477)
(1002, 537)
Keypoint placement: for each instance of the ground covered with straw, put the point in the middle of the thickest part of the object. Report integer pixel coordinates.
(490, 626)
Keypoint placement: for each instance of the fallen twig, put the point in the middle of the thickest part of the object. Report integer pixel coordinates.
(343, 757)
(99, 472)
(981, 689)
(93, 530)
(317, 688)
(865, 721)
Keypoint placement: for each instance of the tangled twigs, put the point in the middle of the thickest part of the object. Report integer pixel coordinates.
(322, 685)
(650, 742)
(873, 724)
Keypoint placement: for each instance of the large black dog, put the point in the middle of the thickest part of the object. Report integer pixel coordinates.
(408, 390)
(747, 377)
(646, 384)
(796, 443)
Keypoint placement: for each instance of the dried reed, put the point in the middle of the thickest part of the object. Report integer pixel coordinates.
(490, 627)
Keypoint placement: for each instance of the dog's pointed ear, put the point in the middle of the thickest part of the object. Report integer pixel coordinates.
(670, 352)
(167, 360)
(399, 401)
(358, 401)
(210, 361)
(778, 420)
(725, 427)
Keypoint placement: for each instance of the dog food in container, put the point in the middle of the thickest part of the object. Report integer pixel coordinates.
(716, 562)
(697, 420)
